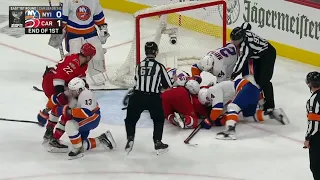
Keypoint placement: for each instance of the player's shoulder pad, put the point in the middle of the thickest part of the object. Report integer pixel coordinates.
(85, 95)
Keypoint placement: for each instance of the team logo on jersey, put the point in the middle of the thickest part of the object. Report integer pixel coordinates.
(83, 13)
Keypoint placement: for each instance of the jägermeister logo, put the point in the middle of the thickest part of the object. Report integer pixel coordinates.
(298, 24)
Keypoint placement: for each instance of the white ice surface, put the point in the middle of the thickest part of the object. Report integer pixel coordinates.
(267, 151)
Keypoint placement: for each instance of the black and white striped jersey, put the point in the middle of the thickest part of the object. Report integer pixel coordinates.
(150, 76)
(313, 110)
(251, 47)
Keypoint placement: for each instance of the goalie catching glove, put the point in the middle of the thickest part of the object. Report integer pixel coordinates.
(103, 34)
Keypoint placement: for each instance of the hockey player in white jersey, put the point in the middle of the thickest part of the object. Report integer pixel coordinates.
(219, 63)
(81, 19)
(228, 99)
(85, 117)
(178, 77)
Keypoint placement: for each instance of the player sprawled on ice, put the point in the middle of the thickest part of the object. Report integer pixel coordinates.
(84, 113)
(229, 98)
(219, 63)
(181, 105)
(54, 83)
(81, 19)
(178, 78)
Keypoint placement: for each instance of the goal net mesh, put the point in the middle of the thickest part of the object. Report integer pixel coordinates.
(184, 32)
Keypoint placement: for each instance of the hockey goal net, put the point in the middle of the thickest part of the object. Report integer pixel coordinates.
(184, 32)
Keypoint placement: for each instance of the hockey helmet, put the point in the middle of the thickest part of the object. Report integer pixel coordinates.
(202, 96)
(88, 49)
(192, 86)
(237, 34)
(246, 26)
(313, 79)
(151, 48)
(76, 85)
(206, 63)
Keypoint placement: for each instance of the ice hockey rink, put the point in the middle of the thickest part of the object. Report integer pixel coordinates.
(265, 151)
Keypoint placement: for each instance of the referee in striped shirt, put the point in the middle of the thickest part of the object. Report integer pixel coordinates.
(150, 77)
(257, 57)
(312, 138)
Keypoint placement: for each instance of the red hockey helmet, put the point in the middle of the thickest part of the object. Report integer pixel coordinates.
(88, 49)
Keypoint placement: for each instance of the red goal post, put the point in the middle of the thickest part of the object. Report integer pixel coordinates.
(196, 26)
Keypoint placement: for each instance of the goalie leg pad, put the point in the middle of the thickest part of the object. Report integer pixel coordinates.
(97, 66)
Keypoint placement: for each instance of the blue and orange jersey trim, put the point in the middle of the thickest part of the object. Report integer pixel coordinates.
(195, 71)
(216, 111)
(239, 84)
(83, 113)
(76, 28)
(99, 18)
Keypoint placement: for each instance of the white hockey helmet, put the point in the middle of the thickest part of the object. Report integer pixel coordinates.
(76, 85)
(202, 96)
(206, 63)
(193, 86)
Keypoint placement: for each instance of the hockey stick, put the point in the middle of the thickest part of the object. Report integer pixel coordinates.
(17, 120)
(60, 48)
(102, 89)
(193, 133)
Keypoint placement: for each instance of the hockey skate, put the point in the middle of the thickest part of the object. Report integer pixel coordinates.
(279, 115)
(107, 140)
(76, 153)
(229, 134)
(178, 120)
(57, 147)
(129, 145)
(48, 135)
(160, 147)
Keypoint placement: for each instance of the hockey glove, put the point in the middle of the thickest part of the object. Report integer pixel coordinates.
(43, 116)
(103, 34)
(125, 100)
(64, 110)
(55, 40)
(206, 124)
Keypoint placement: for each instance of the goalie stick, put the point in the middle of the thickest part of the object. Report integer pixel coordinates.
(17, 120)
(101, 89)
(60, 48)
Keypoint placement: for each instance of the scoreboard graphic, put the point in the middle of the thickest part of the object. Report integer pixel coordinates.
(36, 19)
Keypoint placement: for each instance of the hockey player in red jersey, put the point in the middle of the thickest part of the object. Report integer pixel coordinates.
(181, 105)
(54, 82)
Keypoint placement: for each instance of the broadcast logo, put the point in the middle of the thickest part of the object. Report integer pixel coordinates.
(32, 19)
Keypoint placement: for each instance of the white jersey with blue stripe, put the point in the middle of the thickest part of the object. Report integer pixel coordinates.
(81, 16)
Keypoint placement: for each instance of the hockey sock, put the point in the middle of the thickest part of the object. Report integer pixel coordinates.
(53, 119)
(72, 129)
(91, 143)
(260, 117)
(60, 128)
